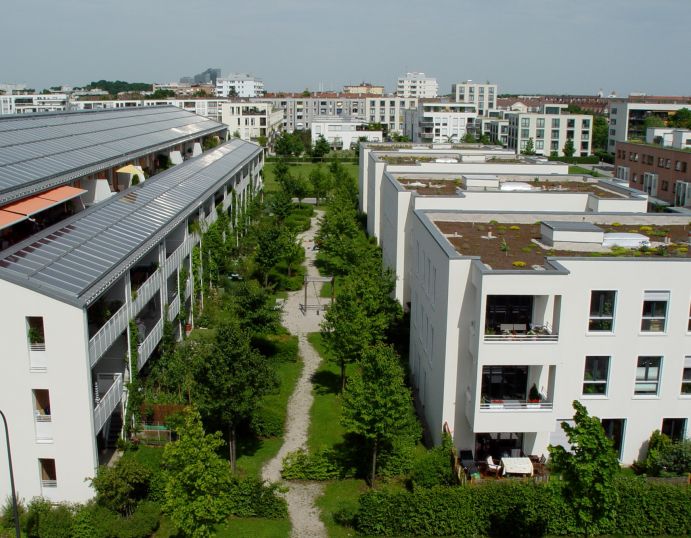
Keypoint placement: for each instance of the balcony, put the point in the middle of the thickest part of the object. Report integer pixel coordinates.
(107, 334)
(175, 259)
(522, 318)
(44, 428)
(521, 332)
(38, 359)
(108, 394)
(174, 307)
(149, 344)
(146, 291)
(515, 405)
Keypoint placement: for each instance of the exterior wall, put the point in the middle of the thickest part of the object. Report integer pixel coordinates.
(389, 111)
(252, 120)
(663, 173)
(416, 85)
(28, 104)
(300, 111)
(343, 134)
(366, 89)
(67, 377)
(627, 119)
(439, 122)
(483, 96)
(244, 86)
(522, 127)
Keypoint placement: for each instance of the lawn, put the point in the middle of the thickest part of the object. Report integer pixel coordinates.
(325, 427)
(237, 528)
(302, 169)
(339, 495)
(583, 171)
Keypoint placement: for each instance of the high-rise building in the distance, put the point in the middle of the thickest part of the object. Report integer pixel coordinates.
(416, 85)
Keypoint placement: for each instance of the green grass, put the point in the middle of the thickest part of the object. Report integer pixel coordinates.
(237, 528)
(302, 169)
(325, 427)
(583, 171)
(325, 292)
(254, 453)
(338, 495)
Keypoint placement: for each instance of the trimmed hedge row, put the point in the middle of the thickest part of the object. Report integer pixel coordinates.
(521, 509)
(591, 159)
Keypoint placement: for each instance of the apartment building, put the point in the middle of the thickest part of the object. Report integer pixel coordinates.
(416, 86)
(509, 303)
(79, 295)
(252, 120)
(483, 96)
(299, 111)
(389, 111)
(438, 121)
(241, 85)
(627, 116)
(31, 103)
(661, 171)
(364, 88)
(549, 130)
(208, 108)
(344, 133)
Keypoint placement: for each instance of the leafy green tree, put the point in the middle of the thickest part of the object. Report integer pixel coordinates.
(569, 149)
(588, 470)
(529, 147)
(232, 381)
(321, 148)
(377, 404)
(600, 132)
(280, 203)
(268, 251)
(652, 121)
(262, 140)
(484, 139)
(254, 307)
(162, 94)
(681, 119)
(293, 253)
(321, 183)
(197, 479)
(299, 188)
(469, 138)
(121, 487)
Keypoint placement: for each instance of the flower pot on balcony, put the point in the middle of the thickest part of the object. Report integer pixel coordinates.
(496, 404)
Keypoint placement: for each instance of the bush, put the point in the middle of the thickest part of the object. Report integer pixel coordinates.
(433, 469)
(56, 522)
(267, 422)
(664, 457)
(107, 524)
(592, 159)
(300, 465)
(121, 487)
(250, 497)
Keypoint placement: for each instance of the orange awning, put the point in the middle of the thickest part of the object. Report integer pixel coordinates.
(8, 219)
(45, 200)
(62, 194)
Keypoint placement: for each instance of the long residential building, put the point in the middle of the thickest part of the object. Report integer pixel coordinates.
(549, 130)
(81, 294)
(32, 103)
(482, 96)
(439, 121)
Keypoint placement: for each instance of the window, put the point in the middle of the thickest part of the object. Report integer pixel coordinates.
(540, 133)
(602, 304)
(540, 144)
(614, 430)
(541, 122)
(49, 478)
(647, 375)
(595, 375)
(525, 122)
(35, 333)
(674, 428)
(688, 327)
(654, 311)
(555, 133)
(555, 123)
(525, 133)
(686, 377)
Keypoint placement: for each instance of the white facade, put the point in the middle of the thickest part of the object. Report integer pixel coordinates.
(209, 108)
(27, 104)
(483, 96)
(341, 133)
(439, 122)
(670, 137)
(454, 356)
(252, 120)
(243, 84)
(627, 119)
(550, 133)
(416, 86)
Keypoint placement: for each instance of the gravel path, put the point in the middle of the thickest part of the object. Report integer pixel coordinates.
(301, 496)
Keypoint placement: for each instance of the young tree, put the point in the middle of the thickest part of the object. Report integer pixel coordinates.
(232, 381)
(529, 147)
(600, 132)
(268, 251)
(321, 148)
(280, 204)
(299, 188)
(321, 183)
(588, 470)
(569, 149)
(284, 145)
(293, 253)
(197, 480)
(469, 138)
(652, 121)
(484, 139)
(682, 119)
(121, 487)
(377, 405)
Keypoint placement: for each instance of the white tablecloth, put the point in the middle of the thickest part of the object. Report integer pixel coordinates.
(517, 466)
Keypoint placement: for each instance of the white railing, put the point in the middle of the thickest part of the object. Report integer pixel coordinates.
(109, 401)
(38, 360)
(174, 308)
(515, 405)
(44, 428)
(107, 334)
(149, 344)
(175, 259)
(146, 291)
(521, 337)
(38, 346)
(49, 483)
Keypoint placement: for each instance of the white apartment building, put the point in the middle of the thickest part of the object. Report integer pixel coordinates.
(483, 96)
(498, 131)
(550, 131)
(31, 103)
(208, 108)
(71, 295)
(416, 86)
(364, 88)
(344, 133)
(488, 324)
(252, 120)
(243, 85)
(627, 117)
(299, 111)
(438, 122)
(669, 137)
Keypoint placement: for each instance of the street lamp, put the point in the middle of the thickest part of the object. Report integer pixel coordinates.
(9, 460)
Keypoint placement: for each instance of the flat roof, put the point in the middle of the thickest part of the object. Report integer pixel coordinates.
(39, 151)
(566, 226)
(78, 258)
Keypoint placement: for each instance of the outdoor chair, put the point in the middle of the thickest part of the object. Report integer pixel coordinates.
(493, 467)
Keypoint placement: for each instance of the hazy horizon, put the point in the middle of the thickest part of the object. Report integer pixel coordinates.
(531, 46)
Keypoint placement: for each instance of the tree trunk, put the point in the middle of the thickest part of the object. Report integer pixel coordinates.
(231, 447)
(374, 463)
(343, 376)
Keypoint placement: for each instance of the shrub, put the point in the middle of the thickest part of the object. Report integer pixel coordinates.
(519, 263)
(300, 465)
(107, 524)
(514, 227)
(56, 522)
(37, 508)
(616, 224)
(433, 468)
(527, 250)
(250, 497)
(267, 422)
(121, 487)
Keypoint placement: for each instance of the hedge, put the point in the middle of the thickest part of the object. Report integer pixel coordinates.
(591, 159)
(521, 508)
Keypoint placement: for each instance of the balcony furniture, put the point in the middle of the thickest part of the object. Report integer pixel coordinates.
(493, 467)
(521, 466)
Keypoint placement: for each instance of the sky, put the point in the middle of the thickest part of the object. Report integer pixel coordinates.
(525, 46)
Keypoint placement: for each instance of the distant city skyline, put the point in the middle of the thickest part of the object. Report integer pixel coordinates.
(532, 46)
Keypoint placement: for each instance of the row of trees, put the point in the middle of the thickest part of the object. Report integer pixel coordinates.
(294, 144)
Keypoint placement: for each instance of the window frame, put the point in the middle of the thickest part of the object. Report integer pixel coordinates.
(599, 317)
(648, 380)
(653, 320)
(596, 382)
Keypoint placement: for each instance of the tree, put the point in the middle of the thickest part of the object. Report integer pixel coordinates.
(321, 183)
(121, 487)
(588, 470)
(289, 144)
(600, 132)
(197, 493)
(268, 251)
(652, 121)
(321, 148)
(469, 138)
(299, 188)
(280, 204)
(681, 119)
(484, 139)
(377, 405)
(293, 253)
(529, 147)
(569, 149)
(262, 140)
(236, 134)
(232, 381)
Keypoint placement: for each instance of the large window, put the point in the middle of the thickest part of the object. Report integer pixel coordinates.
(601, 317)
(504, 382)
(674, 428)
(654, 311)
(686, 377)
(614, 430)
(595, 375)
(647, 375)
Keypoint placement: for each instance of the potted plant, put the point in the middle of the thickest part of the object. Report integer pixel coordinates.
(534, 397)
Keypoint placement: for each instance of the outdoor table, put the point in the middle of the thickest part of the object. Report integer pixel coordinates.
(517, 466)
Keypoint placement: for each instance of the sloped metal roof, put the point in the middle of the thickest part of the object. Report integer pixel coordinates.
(39, 151)
(75, 260)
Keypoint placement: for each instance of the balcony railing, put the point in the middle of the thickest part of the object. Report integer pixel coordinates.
(149, 344)
(175, 259)
(107, 334)
(519, 332)
(49, 483)
(38, 358)
(38, 346)
(515, 405)
(146, 291)
(44, 427)
(109, 401)
(174, 308)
